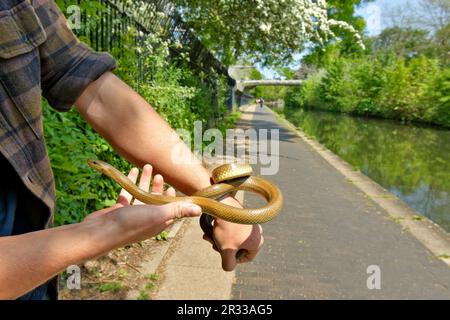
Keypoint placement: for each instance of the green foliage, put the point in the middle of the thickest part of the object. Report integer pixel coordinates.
(404, 42)
(388, 86)
(79, 190)
(110, 287)
(152, 276)
(403, 74)
(150, 285)
(163, 236)
(255, 74)
(143, 295)
(269, 93)
(442, 39)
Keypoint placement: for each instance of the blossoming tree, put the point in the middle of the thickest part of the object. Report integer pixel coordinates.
(265, 30)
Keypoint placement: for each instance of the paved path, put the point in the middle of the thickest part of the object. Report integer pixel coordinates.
(192, 270)
(327, 236)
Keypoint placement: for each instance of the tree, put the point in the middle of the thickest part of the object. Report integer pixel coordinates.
(304, 71)
(442, 40)
(410, 24)
(345, 11)
(269, 31)
(322, 52)
(255, 74)
(406, 42)
(433, 15)
(430, 15)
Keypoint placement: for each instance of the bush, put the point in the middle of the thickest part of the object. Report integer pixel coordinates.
(79, 189)
(385, 86)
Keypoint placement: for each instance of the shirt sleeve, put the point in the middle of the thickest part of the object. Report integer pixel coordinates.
(68, 66)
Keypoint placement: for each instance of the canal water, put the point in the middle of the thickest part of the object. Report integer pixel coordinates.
(410, 161)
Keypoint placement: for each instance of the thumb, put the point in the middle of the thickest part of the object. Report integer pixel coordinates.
(228, 259)
(178, 210)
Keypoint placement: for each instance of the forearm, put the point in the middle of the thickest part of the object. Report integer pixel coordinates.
(137, 132)
(30, 259)
(120, 115)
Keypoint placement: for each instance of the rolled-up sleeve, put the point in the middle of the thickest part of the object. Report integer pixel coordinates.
(68, 66)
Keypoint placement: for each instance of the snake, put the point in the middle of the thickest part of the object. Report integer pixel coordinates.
(227, 179)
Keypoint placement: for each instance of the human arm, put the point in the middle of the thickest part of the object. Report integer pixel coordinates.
(137, 131)
(30, 259)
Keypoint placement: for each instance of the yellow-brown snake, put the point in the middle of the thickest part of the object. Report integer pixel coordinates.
(227, 179)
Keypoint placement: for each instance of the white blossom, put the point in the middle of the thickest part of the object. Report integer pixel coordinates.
(263, 27)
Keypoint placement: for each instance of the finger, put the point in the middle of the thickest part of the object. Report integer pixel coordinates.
(146, 177)
(247, 256)
(250, 255)
(158, 184)
(228, 259)
(124, 196)
(178, 210)
(171, 192)
(144, 181)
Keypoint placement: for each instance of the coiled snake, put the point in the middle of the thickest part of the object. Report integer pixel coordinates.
(227, 179)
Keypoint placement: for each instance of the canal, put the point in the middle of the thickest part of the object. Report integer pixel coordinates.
(411, 161)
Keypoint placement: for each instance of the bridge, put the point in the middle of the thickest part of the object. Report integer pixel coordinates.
(239, 74)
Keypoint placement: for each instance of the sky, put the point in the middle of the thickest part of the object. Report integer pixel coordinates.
(375, 13)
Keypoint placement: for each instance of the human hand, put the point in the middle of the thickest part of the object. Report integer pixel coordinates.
(138, 221)
(231, 238)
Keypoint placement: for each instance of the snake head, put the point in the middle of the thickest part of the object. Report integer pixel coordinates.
(98, 165)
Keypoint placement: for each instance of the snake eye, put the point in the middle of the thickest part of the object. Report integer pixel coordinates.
(93, 163)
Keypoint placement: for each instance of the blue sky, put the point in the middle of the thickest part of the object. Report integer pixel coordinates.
(375, 14)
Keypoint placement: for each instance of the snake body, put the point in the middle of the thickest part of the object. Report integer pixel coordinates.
(227, 178)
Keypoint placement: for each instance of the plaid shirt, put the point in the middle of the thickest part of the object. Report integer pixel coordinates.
(39, 54)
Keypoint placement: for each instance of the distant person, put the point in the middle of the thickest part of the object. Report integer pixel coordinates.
(261, 103)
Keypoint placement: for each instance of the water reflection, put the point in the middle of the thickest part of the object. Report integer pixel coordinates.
(412, 162)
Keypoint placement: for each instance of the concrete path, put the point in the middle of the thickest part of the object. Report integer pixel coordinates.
(192, 270)
(321, 246)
